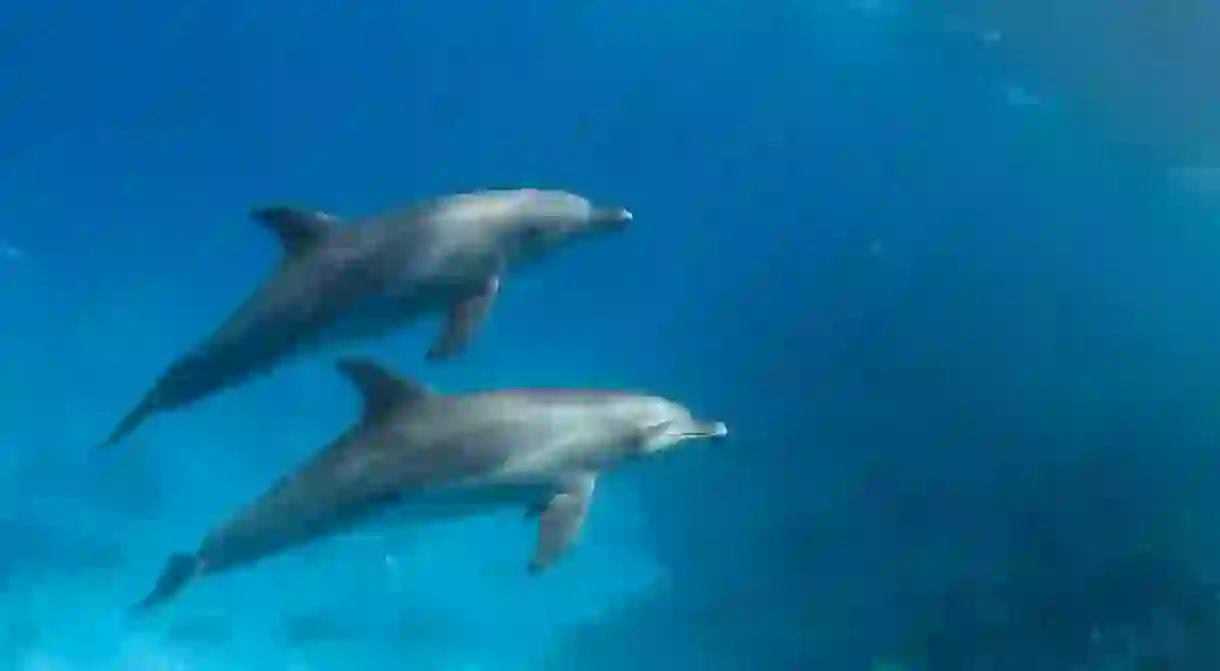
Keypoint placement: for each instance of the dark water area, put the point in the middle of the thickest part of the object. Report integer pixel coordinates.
(945, 270)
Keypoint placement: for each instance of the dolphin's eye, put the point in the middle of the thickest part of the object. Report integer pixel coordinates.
(536, 232)
(532, 233)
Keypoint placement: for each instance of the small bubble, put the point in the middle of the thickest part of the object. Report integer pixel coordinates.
(1198, 179)
(8, 251)
(872, 7)
(1021, 97)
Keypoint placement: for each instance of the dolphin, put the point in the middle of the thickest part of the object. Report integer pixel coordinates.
(419, 454)
(346, 281)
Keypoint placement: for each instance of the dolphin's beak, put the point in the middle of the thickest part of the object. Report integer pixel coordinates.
(711, 430)
(613, 217)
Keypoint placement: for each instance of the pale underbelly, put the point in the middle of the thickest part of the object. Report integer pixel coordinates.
(264, 535)
(372, 319)
(453, 504)
(381, 315)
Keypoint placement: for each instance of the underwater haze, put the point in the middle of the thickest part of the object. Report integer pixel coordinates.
(947, 271)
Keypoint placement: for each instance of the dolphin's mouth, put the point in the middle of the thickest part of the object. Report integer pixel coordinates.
(712, 430)
(614, 217)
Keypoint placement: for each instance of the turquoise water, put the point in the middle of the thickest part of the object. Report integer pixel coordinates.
(956, 310)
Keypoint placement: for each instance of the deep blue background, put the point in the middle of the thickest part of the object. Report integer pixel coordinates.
(932, 296)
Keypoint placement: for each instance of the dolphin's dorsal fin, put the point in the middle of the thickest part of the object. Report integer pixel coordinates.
(381, 390)
(297, 230)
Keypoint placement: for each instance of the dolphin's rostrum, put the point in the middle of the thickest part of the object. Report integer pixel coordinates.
(341, 281)
(423, 454)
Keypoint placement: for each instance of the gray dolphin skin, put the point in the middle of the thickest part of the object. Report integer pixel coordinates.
(346, 281)
(419, 453)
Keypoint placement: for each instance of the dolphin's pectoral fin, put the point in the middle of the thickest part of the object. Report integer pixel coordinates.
(132, 420)
(380, 389)
(179, 570)
(463, 320)
(297, 230)
(536, 509)
(560, 523)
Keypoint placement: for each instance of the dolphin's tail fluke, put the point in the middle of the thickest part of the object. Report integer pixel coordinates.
(131, 422)
(177, 574)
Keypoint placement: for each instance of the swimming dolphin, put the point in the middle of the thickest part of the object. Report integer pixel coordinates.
(343, 282)
(417, 452)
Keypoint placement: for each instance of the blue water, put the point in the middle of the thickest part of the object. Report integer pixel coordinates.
(961, 325)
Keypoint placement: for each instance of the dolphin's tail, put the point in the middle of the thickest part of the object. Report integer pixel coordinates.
(177, 574)
(131, 422)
